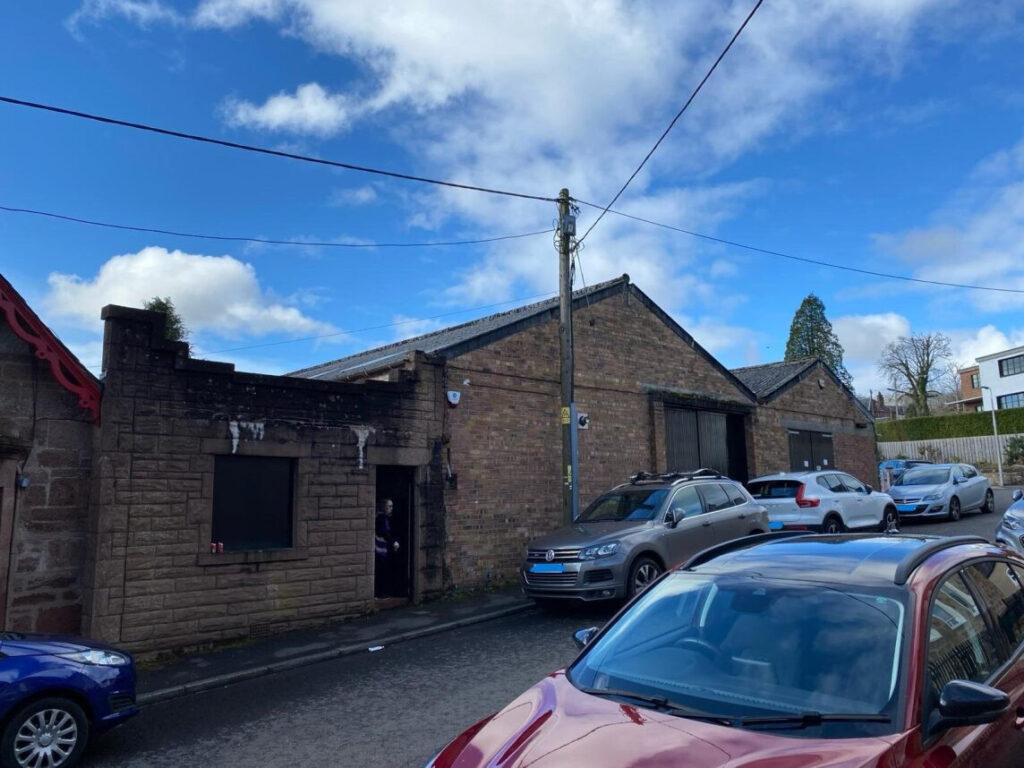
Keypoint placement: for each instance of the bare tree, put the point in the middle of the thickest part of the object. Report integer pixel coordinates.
(918, 363)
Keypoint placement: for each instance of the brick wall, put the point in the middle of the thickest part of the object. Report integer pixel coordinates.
(805, 405)
(506, 437)
(46, 437)
(152, 582)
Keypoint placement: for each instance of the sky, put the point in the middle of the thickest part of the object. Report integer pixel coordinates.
(882, 135)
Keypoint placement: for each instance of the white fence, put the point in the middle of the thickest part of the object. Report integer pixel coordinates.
(969, 450)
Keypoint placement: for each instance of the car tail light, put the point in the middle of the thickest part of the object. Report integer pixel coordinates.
(801, 501)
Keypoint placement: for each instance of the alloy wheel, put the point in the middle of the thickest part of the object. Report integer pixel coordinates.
(644, 575)
(832, 525)
(46, 739)
(954, 509)
(990, 502)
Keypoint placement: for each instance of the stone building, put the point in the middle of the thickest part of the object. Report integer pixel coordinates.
(459, 428)
(49, 405)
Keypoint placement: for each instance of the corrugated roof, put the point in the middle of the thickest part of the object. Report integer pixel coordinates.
(765, 379)
(440, 341)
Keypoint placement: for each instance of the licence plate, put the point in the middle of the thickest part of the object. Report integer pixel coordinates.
(547, 568)
(906, 507)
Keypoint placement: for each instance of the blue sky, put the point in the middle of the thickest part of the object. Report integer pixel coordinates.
(879, 134)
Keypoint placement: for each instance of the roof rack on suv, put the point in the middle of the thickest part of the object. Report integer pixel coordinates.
(668, 477)
(743, 542)
(910, 563)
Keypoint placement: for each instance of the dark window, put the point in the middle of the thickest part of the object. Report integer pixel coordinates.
(686, 503)
(974, 380)
(853, 484)
(774, 489)
(1011, 366)
(252, 502)
(833, 483)
(1016, 400)
(628, 504)
(960, 646)
(735, 493)
(998, 587)
(969, 471)
(714, 497)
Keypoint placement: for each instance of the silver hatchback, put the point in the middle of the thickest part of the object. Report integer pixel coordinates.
(629, 536)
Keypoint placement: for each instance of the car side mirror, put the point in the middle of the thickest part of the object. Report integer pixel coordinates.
(869, 489)
(674, 516)
(582, 637)
(965, 703)
(1018, 495)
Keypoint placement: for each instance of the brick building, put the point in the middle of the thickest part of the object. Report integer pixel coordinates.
(287, 471)
(809, 420)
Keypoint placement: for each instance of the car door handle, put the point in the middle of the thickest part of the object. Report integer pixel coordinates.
(743, 516)
(706, 523)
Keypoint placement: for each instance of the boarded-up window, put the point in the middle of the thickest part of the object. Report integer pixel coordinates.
(252, 502)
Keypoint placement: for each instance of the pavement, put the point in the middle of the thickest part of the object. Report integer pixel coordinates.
(369, 634)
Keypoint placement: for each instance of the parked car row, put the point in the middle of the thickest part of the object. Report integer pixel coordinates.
(630, 535)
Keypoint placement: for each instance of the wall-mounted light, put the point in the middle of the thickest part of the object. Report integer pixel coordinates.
(22, 481)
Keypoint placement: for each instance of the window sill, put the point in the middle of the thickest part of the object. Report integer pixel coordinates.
(252, 556)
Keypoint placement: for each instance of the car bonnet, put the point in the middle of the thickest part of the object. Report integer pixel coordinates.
(553, 724)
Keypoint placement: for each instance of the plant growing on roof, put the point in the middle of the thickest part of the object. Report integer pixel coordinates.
(175, 329)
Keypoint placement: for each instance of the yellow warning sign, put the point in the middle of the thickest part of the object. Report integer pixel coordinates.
(565, 414)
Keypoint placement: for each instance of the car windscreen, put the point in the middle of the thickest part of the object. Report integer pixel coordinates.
(625, 504)
(924, 475)
(745, 646)
(774, 489)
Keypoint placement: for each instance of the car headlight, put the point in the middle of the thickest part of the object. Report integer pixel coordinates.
(97, 657)
(1012, 523)
(932, 496)
(599, 550)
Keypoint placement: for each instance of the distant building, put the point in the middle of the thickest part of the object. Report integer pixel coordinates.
(1003, 373)
(970, 390)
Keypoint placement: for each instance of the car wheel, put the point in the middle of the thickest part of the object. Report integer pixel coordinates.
(832, 524)
(890, 520)
(990, 502)
(642, 575)
(49, 732)
(954, 509)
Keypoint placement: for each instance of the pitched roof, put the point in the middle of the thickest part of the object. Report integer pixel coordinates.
(772, 379)
(765, 379)
(451, 341)
(65, 367)
(459, 339)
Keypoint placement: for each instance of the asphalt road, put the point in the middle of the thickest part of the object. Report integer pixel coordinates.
(393, 708)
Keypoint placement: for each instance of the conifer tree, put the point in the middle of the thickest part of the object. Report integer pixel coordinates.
(811, 335)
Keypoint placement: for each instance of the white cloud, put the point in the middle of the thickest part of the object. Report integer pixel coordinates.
(978, 238)
(481, 93)
(968, 345)
(310, 110)
(353, 196)
(141, 12)
(213, 294)
(863, 337)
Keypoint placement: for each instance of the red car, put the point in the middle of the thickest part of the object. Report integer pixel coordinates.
(788, 651)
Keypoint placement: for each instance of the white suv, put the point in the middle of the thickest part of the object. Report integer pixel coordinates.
(829, 501)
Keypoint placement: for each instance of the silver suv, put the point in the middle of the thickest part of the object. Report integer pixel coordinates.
(627, 537)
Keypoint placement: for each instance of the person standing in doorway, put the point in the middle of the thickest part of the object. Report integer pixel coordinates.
(385, 550)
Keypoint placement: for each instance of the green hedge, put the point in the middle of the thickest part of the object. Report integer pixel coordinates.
(1010, 421)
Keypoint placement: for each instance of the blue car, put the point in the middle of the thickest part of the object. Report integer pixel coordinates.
(1011, 528)
(899, 466)
(55, 693)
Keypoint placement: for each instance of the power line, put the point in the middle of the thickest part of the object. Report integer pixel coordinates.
(674, 120)
(804, 259)
(369, 328)
(265, 241)
(265, 150)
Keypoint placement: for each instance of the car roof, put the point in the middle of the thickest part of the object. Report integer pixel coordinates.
(849, 558)
(795, 475)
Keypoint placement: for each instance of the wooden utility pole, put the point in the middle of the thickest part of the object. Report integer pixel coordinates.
(566, 231)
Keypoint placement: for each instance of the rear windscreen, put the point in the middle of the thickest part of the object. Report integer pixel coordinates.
(774, 489)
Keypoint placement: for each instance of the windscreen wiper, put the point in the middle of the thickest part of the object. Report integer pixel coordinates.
(662, 704)
(810, 719)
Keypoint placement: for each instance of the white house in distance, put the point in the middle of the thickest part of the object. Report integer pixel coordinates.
(1003, 374)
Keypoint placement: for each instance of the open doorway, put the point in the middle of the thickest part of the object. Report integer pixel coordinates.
(393, 577)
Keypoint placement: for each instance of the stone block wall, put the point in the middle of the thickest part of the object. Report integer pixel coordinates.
(152, 582)
(47, 438)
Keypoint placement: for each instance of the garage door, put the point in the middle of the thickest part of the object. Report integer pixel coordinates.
(710, 439)
(810, 450)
